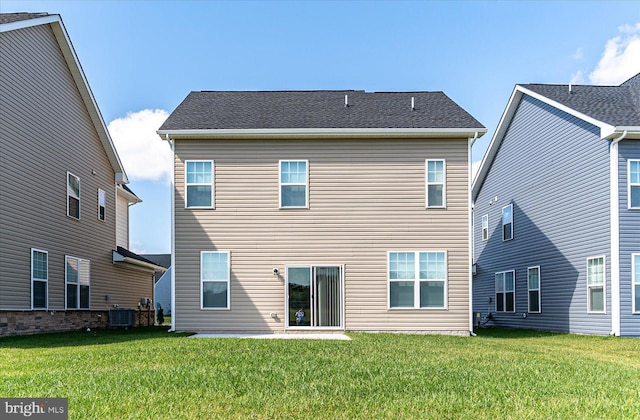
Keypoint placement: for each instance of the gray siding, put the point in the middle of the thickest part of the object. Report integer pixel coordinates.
(629, 240)
(47, 131)
(366, 198)
(554, 169)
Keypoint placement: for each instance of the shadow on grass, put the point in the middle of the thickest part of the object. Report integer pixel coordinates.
(498, 332)
(88, 338)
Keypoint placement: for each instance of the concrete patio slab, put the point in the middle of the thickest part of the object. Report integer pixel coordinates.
(277, 336)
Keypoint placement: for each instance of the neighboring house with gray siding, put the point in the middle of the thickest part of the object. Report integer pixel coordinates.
(63, 200)
(557, 211)
(321, 210)
(162, 288)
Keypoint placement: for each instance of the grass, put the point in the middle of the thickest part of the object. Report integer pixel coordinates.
(149, 373)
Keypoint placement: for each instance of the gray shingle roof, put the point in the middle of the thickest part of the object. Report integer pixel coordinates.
(614, 105)
(15, 17)
(316, 109)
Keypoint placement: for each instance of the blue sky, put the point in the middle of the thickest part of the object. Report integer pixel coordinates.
(142, 58)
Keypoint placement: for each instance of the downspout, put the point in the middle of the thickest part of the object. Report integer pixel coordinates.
(173, 234)
(472, 141)
(614, 217)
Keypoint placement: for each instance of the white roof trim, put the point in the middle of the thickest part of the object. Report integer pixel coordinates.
(66, 47)
(283, 133)
(607, 131)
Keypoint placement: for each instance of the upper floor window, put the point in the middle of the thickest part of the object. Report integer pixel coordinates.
(506, 291)
(214, 278)
(533, 281)
(39, 278)
(635, 279)
(294, 184)
(417, 279)
(77, 282)
(507, 222)
(436, 176)
(595, 285)
(634, 184)
(102, 204)
(485, 227)
(199, 184)
(73, 196)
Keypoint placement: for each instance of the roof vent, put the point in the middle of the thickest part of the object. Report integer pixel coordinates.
(346, 101)
(413, 103)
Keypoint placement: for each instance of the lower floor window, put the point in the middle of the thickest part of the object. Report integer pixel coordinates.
(635, 275)
(214, 278)
(533, 281)
(39, 278)
(77, 280)
(595, 285)
(417, 279)
(505, 291)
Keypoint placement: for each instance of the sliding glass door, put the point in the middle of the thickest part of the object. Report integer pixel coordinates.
(314, 296)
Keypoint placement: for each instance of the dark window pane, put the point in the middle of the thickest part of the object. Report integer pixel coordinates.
(401, 294)
(294, 196)
(534, 304)
(74, 207)
(499, 302)
(84, 297)
(435, 195)
(72, 296)
(510, 304)
(214, 294)
(635, 196)
(199, 196)
(431, 294)
(39, 294)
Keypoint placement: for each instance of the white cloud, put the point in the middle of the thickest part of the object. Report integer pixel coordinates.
(578, 54)
(475, 166)
(577, 78)
(620, 59)
(144, 155)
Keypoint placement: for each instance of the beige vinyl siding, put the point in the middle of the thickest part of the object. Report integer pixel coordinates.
(366, 197)
(122, 222)
(47, 131)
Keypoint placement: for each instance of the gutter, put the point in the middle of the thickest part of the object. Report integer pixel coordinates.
(172, 143)
(472, 141)
(614, 229)
(117, 257)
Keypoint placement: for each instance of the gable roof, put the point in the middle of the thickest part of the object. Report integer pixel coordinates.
(613, 109)
(319, 112)
(17, 21)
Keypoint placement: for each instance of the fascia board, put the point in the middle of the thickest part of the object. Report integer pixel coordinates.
(119, 258)
(132, 198)
(288, 133)
(80, 79)
(604, 127)
(27, 23)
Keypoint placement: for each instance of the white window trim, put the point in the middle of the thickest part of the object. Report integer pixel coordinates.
(630, 184)
(203, 281)
(604, 285)
(197, 184)
(69, 194)
(41, 280)
(512, 223)
(443, 183)
(102, 194)
(80, 260)
(538, 289)
(634, 272)
(281, 184)
(495, 292)
(485, 227)
(416, 282)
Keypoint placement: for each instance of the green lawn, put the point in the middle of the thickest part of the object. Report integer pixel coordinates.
(148, 373)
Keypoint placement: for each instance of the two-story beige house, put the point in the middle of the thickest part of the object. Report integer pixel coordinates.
(64, 205)
(321, 210)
